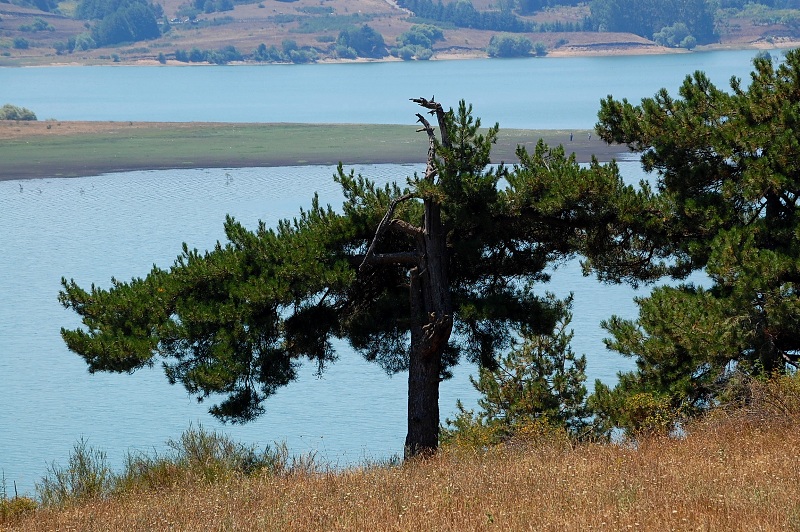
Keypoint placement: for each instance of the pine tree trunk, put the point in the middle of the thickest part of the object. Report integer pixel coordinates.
(423, 382)
(770, 358)
(432, 324)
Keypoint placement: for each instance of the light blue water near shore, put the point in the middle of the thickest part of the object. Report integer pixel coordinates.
(551, 93)
(93, 228)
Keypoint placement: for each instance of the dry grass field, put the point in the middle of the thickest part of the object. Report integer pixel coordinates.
(735, 470)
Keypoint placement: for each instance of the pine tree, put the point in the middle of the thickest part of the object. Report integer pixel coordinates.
(537, 386)
(727, 166)
(415, 278)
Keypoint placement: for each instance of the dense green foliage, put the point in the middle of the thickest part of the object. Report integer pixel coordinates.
(509, 46)
(363, 41)
(39, 24)
(648, 17)
(236, 321)
(532, 6)
(13, 112)
(727, 166)
(211, 6)
(289, 52)
(539, 384)
(121, 20)
(420, 35)
(44, 5)
(218, 57)
(464, 15)
(417, 42)
(675, 36)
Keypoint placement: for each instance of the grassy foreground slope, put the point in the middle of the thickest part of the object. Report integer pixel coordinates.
(70, 149)
(736, 470)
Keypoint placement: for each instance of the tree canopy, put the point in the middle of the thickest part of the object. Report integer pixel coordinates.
(538, 385)
(415, 278)
(364, 41)
(648, 17)
(509, 46)
(121, 20)
(463, 14)
(727, 166)
(14, 112)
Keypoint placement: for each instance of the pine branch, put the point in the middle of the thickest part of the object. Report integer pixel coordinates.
(401, 257)
(385, 221)
(406, 228)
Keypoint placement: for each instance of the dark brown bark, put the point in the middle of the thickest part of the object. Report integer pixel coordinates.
(429, 301)
(431, 310)
(423, 381)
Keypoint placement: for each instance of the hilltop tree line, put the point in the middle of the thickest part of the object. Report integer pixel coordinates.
(463, 14)
(450, 267)
(642, 17)
(649, 17)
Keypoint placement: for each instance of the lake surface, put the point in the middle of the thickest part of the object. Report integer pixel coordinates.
(93, 228)
(549, 93)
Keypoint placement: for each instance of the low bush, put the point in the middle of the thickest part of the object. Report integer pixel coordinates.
(87, 475)
(197, 456)
(12, 112)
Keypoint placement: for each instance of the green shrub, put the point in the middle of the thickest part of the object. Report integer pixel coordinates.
(12, 112)
(86, 476)
(16, 508)
(639, 414)
(505, 45)
(200, 454)
(675, 36)
(39, 24)
(306, 55)
(536, 390)
(84, 41)
(406, 53)
(344, 52)
(365, 41)
(420, 35)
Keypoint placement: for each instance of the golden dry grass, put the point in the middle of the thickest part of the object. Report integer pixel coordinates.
(732, 472)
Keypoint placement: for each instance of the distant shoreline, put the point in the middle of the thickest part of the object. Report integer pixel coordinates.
(583, 49)
(55, 149)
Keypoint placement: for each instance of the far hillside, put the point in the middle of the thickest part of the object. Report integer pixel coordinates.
(306, 31)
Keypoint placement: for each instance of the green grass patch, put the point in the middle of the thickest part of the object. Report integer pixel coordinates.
(123, 146)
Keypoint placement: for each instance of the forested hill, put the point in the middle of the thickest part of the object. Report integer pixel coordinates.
(302, 31)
